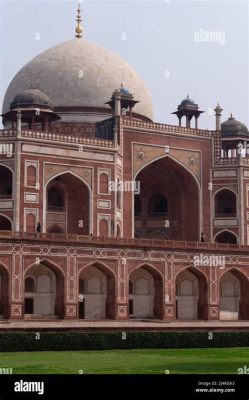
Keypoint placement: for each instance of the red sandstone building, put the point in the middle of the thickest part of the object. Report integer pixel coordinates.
(121, 201)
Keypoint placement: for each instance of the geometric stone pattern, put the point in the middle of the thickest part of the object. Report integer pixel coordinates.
(121, 261)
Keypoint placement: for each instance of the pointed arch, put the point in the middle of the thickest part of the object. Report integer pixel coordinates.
(5, 222)
(99, 300)
(6, 216)
(103, 183)
(89, 191)
(225, 202)
(178, 179)
(146, 301)
(234, 303)
(6, 181)
(173, 159)
(4, 291)
(49, 299)
(4, 266)
(47, 262)
(68, 171)
(232, 235)
(225, 188)
(191, 289)
(99, 264)
(7, 166)
(31, 175)
(149, 267)
(194, 270)
(234, 270)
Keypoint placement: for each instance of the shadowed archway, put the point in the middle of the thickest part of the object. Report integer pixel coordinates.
(96, 292)
(191, 295)
(4, 292)
(226, 237)
(44, 291)
(145, 293)
(68, 204)
(234, 295)
(5, 223)
(163, 207)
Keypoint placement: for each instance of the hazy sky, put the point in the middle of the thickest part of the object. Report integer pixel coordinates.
(178, 47)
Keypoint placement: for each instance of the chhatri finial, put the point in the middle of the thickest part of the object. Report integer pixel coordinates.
(218, 109)
(79, 28)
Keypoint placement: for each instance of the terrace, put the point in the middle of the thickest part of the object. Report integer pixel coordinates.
(121, 242)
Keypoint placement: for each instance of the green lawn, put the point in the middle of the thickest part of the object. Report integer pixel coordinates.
(157, 361)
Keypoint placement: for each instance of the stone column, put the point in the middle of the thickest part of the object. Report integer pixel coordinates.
(16, 224)
(218, 110)
(187, 122)
(71, 286)
(117, 103)
(17, 285)
(213, 301)
(18, 123)
(122, 304)
(169, 295)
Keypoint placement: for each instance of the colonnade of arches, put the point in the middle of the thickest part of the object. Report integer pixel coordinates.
(161, 210)
(44, 293)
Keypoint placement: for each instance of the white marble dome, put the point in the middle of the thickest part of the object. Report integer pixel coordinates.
(79, 73)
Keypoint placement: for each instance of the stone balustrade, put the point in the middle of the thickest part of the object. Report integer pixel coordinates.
(130, 242)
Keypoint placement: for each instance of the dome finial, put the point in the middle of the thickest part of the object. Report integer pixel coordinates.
(79, 28)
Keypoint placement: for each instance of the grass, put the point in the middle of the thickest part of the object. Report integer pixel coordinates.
(150, 361)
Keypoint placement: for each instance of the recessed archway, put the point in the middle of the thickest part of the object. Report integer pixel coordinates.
(166, 190)
(96, 292)
(44, 291)
(234, 295)
(68, 198)
(226, 237)
(145, 293)
(5, 223)
(6, 184)
(4, 292)
(30, 222)
(191, 295)
(55, 228)
(225, 203)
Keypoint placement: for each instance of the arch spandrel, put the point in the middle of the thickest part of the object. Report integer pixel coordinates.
(143, 155)
(51, 170)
